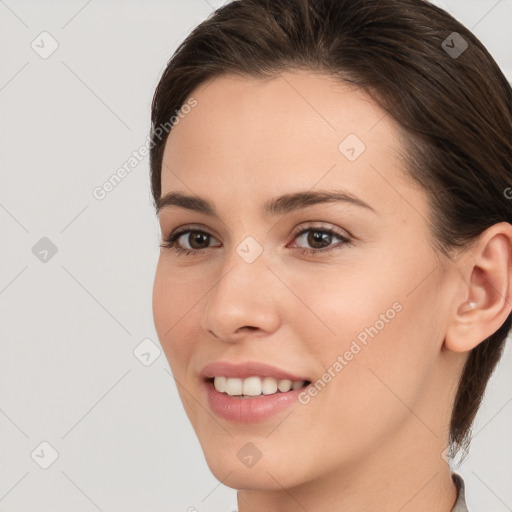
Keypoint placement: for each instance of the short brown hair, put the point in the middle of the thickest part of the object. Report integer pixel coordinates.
(455, 111)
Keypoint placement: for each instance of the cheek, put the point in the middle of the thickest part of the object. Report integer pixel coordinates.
(374, 330)
(175, 322)
(171, 311)
(391, 298)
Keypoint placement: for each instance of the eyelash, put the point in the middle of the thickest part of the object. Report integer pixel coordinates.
(170, 242)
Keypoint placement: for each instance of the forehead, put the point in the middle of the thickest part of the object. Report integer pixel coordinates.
(298, 129)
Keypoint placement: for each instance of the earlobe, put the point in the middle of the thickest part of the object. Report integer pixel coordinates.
(486, 276)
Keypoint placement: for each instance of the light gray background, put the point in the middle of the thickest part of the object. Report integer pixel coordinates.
(69, 326)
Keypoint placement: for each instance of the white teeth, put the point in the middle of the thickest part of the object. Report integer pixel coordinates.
(220, 384)
(254, 386)
(233, 386)
(269, 386)
(284, 385)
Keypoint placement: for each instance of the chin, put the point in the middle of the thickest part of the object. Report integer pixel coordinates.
(227, 464)
(262, 478)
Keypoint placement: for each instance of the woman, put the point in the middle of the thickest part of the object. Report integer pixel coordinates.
(333, 288)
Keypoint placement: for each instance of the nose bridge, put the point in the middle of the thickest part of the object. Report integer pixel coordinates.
(246, 258)
(242, 296)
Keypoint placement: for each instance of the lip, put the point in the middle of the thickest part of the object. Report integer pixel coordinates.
(248, 410)
(247, 369)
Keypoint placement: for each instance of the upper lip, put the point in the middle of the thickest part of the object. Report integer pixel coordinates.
(247, 369)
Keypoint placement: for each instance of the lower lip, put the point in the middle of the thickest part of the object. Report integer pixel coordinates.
(249, 410)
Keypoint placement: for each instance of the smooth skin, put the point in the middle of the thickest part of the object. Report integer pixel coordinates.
(373, 438)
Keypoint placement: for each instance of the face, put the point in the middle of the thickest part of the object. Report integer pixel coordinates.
(345, 295)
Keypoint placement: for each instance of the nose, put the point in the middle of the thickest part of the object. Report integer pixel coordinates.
(244, 301)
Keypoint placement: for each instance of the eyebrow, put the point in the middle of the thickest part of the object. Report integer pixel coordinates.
(277, 205)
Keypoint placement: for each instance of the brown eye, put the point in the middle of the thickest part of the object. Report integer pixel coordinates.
(187, 241)
(197, 239)
(319, 240)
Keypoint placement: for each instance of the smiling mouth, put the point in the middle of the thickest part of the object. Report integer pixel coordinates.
(255, 386)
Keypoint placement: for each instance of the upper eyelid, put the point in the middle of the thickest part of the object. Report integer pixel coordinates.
(320, 226)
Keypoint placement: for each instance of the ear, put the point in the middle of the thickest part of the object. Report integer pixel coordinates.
(486, 283)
